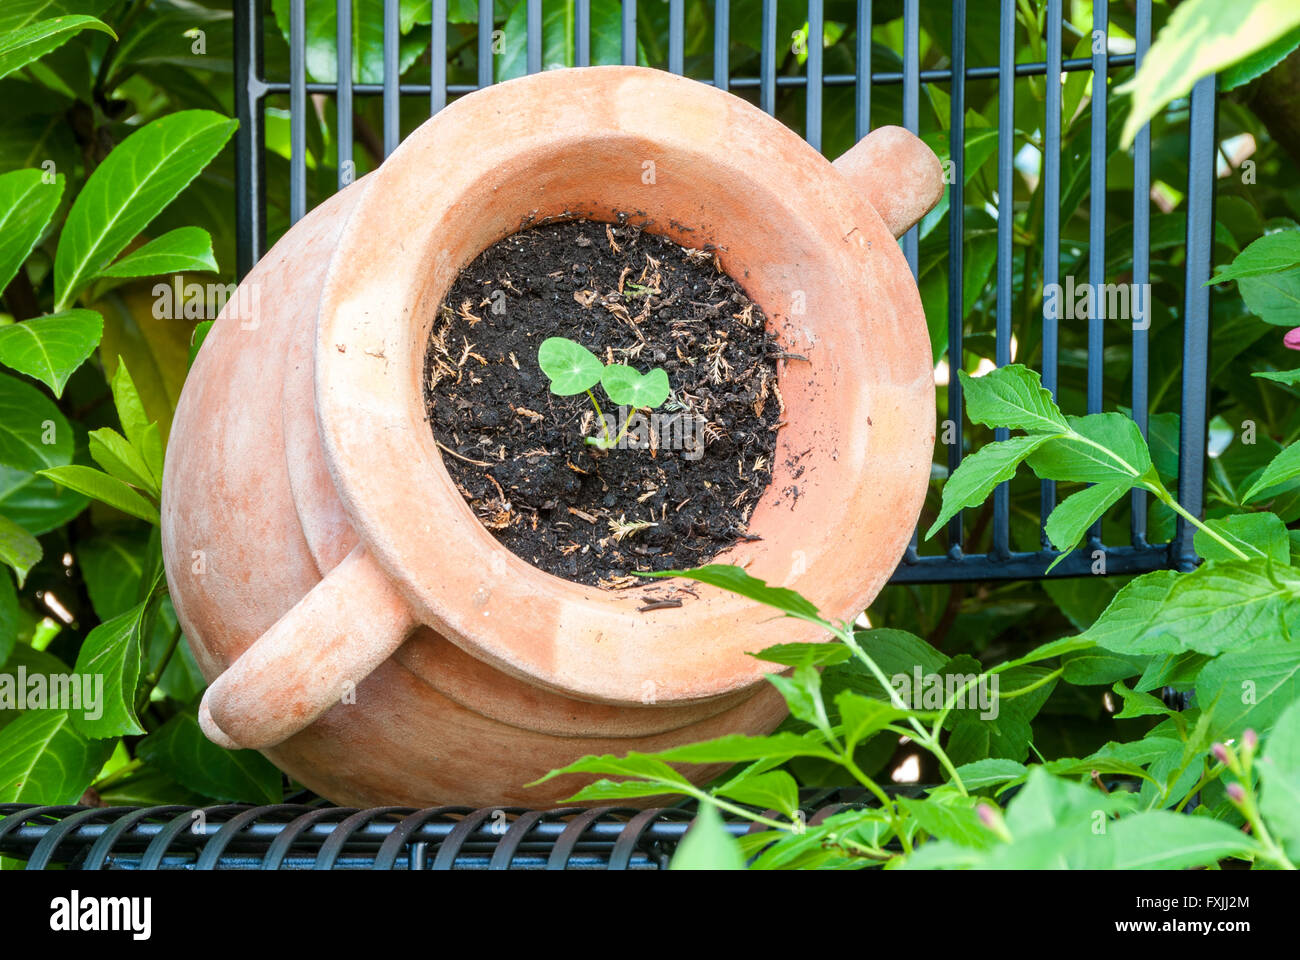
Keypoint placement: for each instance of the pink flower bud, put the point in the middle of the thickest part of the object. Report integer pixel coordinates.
(1292, 338)
(1221, 753)
(1236, 793)
(988, 816)
(1250, 740)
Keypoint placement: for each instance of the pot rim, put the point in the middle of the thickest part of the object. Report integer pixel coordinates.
(378, 302)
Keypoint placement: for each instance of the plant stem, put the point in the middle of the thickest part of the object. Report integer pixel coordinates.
(1167, 499)
(601, 417)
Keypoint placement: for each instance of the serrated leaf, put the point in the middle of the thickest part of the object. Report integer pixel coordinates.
(736, 580)
(33, 41)
(973, 481)
(862, 717)
(26, 204)
(33, 433)
(135, 182)
(804, 654)
(111, 652)
(1285, 466)
(1273, 297)
(739, 748)
(1068, 459)
(120, 460)
(1258, 63)
(180, 749)
(1012, 396)
(1201, 38)
(1218, 606)
(1079, 511)
(100, 486)
(1250, 687)
(961, 825)
(1254, 534)
(52, 347)
(773, 790)
(177, 251)
(1271, 253)
(990, 772)
(707, 845)
(44, 759)
(1279, 773)
(18, 549)
(1138, 704)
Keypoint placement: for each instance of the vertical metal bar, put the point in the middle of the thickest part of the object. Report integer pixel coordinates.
(438, 58)
(1051, 230)
(485, 64)
(816, 28)
(1097, 224)
(629, 32)
(582, 33)
(862, 82)
(343, 99)
(912, 102)
(250, 138)
(1201, 155)
(1001, 547)
(956, 250)
(1097, 213)
(392, 111)
(1141, 274)
(676, 36)
(297, 111)
(533, 51)
(767, 59)
(721, 43)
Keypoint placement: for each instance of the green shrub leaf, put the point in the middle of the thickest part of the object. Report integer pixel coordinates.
(50, 348)
(973, 481)
(44, 759)
(180, 749)
(131, 187)
(18, 549)
(33, 433)
(26, 204)
(707, 845)
(1012, 396)
(177, 251)
(33, 41)
(1285, 466)
(100, 486)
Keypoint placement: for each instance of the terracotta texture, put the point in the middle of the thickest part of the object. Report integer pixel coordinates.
(360, 625)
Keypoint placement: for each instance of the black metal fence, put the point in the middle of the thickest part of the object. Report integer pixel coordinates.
(315, 836)
(1001, 560)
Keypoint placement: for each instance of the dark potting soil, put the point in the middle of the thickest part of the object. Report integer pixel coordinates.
(680, 487)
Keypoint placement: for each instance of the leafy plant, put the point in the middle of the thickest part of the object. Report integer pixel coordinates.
(573, 369)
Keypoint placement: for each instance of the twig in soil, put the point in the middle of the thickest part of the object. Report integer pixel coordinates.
(784, 355)
(609, 235)
(659, 605)
(446, 449)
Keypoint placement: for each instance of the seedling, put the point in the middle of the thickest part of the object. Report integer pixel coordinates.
(573, 369)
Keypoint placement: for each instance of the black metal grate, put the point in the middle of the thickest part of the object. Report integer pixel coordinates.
(1002, 560)
(315, 836)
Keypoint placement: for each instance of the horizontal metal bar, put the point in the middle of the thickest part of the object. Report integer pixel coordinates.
(883, 79)
(956, 566)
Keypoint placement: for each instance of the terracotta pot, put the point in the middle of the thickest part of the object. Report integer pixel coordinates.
(358, 623)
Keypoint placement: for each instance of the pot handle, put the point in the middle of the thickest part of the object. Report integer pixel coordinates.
(346, 626)
(896, 173)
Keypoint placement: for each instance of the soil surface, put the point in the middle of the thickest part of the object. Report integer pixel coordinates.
(680, 487)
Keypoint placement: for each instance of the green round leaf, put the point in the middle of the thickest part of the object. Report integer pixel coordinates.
(626, 387)
(570, 367)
